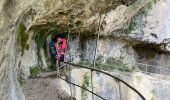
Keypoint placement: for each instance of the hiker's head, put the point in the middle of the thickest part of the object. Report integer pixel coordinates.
(61, 35)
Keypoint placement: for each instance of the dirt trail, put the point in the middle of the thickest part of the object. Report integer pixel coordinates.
(44, 89)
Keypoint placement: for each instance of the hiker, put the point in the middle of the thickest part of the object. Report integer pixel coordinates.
(52, 48)
(53, 52)
(60, 49)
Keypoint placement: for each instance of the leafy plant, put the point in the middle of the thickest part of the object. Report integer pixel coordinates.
(22, 38)
(40, 36)
(149, 6)
(86, 84)
(34, 71)
(131, 27)
(111, 64)
(21, 78)
(117, 64)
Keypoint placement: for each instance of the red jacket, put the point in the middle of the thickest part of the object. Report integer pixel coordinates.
(61, 46)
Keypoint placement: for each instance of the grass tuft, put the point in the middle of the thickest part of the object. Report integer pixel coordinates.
(86, 84)
(34, 71)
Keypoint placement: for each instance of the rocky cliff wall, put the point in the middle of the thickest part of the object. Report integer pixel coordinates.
(153, 87)
(113, 15)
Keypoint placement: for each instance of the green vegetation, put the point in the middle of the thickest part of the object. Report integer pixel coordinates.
(34, 71)
(131, 27)
(117, 64)
(21, 78)
(154, 95)
(40, 37)
(149, 6)
(86, 84)
(22, 38)
(111, 64)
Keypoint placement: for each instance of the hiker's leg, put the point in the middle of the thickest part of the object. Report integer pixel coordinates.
(57, 60)
(53, 63)
(57, 67)
(56, 64)
(62, 59)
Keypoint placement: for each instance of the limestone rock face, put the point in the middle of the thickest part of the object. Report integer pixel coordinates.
(110, 15)
(34, 12)
(152, 87)
(154, 26)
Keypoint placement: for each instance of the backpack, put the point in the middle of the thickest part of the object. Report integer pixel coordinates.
(62, 45)
(52, 48)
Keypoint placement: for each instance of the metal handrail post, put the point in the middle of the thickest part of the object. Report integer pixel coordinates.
(94, 63)
(70, 61)
(58, 72)
(92, 83)
(146, 69)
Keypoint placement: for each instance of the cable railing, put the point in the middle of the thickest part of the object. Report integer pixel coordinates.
(100, 71)
(147, 69)
(151, 69)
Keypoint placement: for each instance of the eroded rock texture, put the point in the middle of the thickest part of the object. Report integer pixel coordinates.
(111, 15)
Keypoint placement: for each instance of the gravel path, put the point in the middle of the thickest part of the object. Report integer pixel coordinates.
(44, 89)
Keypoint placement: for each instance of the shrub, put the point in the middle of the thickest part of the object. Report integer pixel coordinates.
(21, 78)
(149, 6)
(34, 71)
(111, 64)
(119, 65)
(86, 84)
(131, 27)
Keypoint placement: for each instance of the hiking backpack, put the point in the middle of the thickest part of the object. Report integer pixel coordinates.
(52, 48)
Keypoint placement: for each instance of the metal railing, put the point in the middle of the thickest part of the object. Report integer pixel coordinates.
(144, 68)
(147, 69)
(91, 70)
(151, 69)
(100, 71)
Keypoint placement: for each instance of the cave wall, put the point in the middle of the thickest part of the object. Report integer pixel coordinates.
(85, 13)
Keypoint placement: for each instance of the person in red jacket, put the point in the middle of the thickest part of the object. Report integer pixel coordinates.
(60, 49)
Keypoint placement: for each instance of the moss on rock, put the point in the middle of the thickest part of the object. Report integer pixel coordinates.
(86, 84)
(22, 38)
